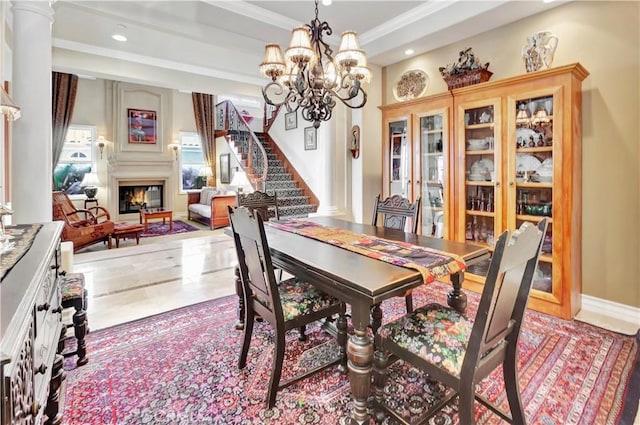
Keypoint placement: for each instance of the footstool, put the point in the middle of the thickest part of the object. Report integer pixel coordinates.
(74, 295)
(127, 230)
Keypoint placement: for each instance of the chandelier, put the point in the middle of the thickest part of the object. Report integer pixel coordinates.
(311, 78)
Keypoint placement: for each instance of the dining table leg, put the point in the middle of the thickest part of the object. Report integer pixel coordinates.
(457, 299)
(360, 361)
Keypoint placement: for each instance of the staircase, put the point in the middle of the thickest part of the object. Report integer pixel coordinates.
(255, 152)
(291, 200)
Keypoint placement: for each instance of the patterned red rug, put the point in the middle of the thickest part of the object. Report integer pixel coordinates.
(156, 228)
(180, 367)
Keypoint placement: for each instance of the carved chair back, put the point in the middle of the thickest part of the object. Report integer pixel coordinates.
(395, 211)
(265, 204)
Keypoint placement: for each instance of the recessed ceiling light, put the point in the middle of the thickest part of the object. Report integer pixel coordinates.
(327, 2)
(547, 1)
(119, 35)
(409, 52)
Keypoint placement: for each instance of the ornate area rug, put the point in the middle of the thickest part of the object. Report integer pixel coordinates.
(156, 228)
(180, 367)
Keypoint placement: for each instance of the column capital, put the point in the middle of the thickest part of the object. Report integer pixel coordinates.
(41, 7)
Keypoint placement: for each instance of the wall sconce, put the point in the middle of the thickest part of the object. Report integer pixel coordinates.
(175, 148)
(355, 142)
(101, 144)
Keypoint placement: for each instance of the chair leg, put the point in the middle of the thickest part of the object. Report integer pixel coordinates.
(408, 300)
(240, 294)
(341, 326)
(63, 336)
(376, 318)
(80, 331)
(54, 417)
(303, 336)
(248, 331)
(510, 373)
(276, 369)
(466, 398)
(380, 363)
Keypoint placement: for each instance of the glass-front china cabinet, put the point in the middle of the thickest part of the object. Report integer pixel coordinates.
(417, 158)
(519, 149)
(485, 158)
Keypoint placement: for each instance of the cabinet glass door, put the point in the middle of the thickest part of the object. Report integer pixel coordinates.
(400, 170)
(482, 195)
(432, 151)
(533, 173)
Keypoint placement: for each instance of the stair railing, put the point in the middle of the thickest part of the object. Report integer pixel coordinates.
(228, 118)
(270, 114)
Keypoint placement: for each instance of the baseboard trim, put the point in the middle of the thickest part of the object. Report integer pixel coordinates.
(613, 311)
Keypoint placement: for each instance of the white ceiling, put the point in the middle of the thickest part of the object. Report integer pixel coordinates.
(226, 38)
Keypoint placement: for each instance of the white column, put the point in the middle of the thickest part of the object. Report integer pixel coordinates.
(31, 153)
(326, 144)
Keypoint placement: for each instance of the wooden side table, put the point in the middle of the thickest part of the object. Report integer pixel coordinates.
(89, 201)
(164, 214)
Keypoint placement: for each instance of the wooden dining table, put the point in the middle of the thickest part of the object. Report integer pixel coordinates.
(363, 283)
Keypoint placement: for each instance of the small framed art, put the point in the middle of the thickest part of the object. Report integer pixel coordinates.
(225, 168)
(310, 141)
(142, 126)
(291, 120)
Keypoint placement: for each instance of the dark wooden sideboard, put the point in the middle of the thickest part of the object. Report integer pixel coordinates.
(30, 324)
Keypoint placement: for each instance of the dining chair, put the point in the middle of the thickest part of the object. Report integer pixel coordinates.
(286, 305)
(459, 352)
(265, 204)
(395, 210)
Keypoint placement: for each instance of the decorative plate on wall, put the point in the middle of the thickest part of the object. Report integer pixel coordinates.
(412, 84)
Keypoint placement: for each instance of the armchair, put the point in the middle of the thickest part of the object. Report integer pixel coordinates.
(83, 227)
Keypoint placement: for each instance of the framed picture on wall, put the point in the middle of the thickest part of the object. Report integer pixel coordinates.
(141, 126)
(225, 168)
(291, 120)
(310, 141)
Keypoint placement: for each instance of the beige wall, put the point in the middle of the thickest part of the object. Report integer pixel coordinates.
(94, 106)
(604, 37)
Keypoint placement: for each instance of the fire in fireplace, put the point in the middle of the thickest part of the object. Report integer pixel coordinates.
(134, 198)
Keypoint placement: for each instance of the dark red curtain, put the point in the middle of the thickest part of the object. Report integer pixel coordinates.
(204, 112)
(63, 89)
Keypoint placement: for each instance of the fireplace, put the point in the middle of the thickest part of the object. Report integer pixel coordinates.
(133, 198)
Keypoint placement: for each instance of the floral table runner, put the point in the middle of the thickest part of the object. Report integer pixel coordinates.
(431, 263)
(22, 236)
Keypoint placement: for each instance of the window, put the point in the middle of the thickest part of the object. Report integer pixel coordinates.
(76, 159)
(192, 164)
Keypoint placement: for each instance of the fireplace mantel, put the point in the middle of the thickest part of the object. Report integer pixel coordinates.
(139, 172)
